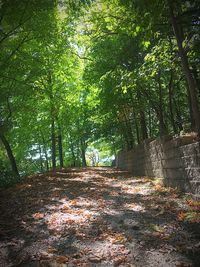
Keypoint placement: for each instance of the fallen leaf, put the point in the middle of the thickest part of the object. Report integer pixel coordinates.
(52, 250)
(119, 261)
(69, 221)
(181, 216)
(76, 261)
(62, 259)
(65, 207)
(94, 259)
(38, 215)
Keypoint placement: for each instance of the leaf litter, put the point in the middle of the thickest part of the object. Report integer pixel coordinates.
(97, 217)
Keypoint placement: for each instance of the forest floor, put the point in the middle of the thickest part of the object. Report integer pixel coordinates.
(97, 217)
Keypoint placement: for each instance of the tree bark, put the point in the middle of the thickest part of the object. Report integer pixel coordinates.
(150, 121)
(123, 131)
(60, 149)
(136, 128)
(143, 125)
(179, 120)
(195, 74)
(185, 64)
(192, 119)
(163, 128)
(41, 159)
(45, 152)
(171, 102)
(84, 163)
(142, 119)
(52, 111)
(10, 154)
(72, 151)
(53, 144)
(128, 129)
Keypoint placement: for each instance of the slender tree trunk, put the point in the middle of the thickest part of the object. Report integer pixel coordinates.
(163, 129)
(128, 130)
(78, 156)
(134, 115)
(171, 102)
(45, 152)
(124, 134)
(150, 122)
(185, 64)
(60, 149)
(53, 144)
(84, 163)
(143, 125)
(73, 154)
(41, 160)
(192, 119)
(10, 154)
(53, 115)
(142, 120)
(114, 148)
(195, 74)
(178, 116)
(72, 151)
(136, 128)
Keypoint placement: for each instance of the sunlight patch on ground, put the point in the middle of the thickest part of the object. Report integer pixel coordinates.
(94, 218)
(134, 207)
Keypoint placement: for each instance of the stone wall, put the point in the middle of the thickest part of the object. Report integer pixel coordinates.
(176, 160)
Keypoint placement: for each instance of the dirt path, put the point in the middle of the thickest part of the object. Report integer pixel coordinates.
(95, 217)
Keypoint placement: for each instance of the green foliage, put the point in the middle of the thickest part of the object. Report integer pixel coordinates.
(91, 72)
(7, 178)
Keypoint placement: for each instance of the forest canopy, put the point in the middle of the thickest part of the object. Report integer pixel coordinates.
(81, 80)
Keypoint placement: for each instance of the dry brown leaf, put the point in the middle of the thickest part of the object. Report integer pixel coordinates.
(62, 259)
(76, 261)
(74, 202)
(69, 221)
(119, 238)
(65, 207)
(38, 215)
(119, 261)
(52, 250)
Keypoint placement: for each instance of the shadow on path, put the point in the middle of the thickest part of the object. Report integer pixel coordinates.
(94, 217)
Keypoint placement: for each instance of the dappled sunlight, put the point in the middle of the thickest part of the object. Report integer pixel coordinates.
(93, 217)
(134, 207)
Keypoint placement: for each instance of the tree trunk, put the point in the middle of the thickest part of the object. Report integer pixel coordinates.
(192, 120)
(178, 116)
(150, 122)
(163, 129)
(171, 102)
(41, 159)
(185, 64)
(143, 125)
(84, 163)
(45, 152)
(53, 144)
(134, 115)
(142, 120)
(53, 115)
(60, 148)
(136, 128)
(195, 74)
(124, 134)
(128, 129)
(72, 151)
(10, 154)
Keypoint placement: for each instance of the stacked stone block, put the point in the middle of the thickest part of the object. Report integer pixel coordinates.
(176, 160)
